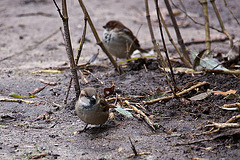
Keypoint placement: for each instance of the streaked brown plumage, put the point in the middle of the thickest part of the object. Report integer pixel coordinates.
(119, 40)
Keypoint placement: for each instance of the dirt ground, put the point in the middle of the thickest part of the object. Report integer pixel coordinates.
(31, 41)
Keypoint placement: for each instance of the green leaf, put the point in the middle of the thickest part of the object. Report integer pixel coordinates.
(17, 96)
(155, 96)
(198, 59)
(123, 112)
(232, 96)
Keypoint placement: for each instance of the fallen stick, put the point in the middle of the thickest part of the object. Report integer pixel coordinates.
(228, 124)
(229, 132)
(39, 156)
(233, 119)
(223, 125)
(124, 98)
(235, 72)
(231, 107)
(145, 117)
(178, 94)
(15, 100)
(133, 148)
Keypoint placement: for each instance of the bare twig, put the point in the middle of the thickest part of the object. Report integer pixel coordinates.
(178, 94)
(221, 23)
(64, 17)
(193, 20)
(204, 4)
(231, 123)
(173, 43)
(15, 100)
(160, 59)
(77, 57)
(178, 33)
(231, 12)
(231, 105)
(133, 147)
(164, 45)
(224, 134)
(145, 117)
(234, 118)
(123, 98)
(223, 30)
(219, 126)
(67, 92)
(39, 156)
(234, 72)
(81, 41)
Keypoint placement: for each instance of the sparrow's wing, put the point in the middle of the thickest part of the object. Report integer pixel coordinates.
(132, 37)
(104, 106)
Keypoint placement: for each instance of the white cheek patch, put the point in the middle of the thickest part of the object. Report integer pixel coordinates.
(84, 101)
(106, 37)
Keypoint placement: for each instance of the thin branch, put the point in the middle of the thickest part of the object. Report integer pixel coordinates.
(179, 37)
(145, 117)
(231, 12)
(77, 57)
(133, 147)
(204, 4)
(68, 45)
(178, 94)
(173, 43)
(193, 20)
(58, 9)
(81, 41)
(164, 46)
(160, 59)
(221, 23)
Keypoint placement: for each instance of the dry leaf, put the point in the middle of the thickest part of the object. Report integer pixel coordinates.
(43, 116)
(48, 83)
(37, 90)
(111, 115)
(201, 96)
(120, 149)
(109, 91)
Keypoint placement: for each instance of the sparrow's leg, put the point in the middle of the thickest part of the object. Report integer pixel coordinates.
(84, 129)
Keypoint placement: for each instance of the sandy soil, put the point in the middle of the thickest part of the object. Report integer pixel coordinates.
(24, 49)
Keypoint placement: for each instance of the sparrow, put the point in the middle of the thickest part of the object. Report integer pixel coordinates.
(119, 40)
(90, 108)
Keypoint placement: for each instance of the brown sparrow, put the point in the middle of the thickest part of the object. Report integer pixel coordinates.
(90, 108)
(119, 40)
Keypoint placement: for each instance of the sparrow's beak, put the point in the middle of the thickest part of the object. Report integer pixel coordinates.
(104, 27)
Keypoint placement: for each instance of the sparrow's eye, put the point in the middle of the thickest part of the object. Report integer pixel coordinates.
(102, 103)
(93, 100)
